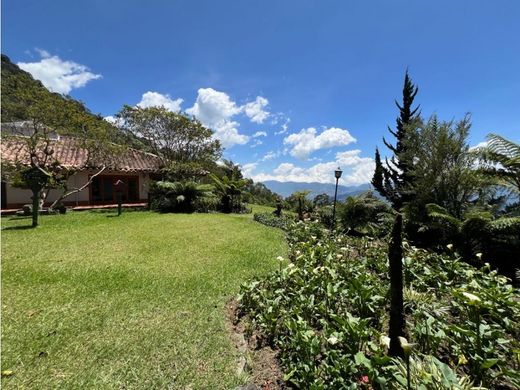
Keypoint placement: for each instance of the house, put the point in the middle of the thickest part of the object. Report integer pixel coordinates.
(133, 167)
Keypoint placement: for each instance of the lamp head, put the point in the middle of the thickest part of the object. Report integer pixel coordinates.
(338, 172)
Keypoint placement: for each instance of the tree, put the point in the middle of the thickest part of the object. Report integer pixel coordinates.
(299, 202)
(258, 193)
(321, 200)
(175, 137)
(501, 160)
(37, 168)
(364, 215)
(229, 190)
(444, 172)
(394, 181)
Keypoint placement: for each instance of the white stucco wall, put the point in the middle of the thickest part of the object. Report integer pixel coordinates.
(21, 196)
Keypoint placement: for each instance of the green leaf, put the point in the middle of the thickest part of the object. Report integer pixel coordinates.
(488, 363)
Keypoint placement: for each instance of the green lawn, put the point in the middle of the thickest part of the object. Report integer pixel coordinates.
(95, 301)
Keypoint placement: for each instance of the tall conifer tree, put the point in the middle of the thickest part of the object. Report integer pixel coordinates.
(394, 181)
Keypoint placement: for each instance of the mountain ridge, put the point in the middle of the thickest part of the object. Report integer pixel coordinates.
(288, 187)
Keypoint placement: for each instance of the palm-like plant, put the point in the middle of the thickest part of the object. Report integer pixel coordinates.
(496, 239)
(365, 215)
(229, 190)
(501, 159)
(179, 196)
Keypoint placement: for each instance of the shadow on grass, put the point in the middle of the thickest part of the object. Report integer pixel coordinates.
(24, 227)
(114, 210)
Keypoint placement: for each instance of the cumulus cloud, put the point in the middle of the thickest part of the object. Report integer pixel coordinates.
(271, 155)
(58, 75)
(256, 110)
(260, 134)
(215, 110)
(156, 99)
(357, 170)
(308, 141)
(213, 107)
(247, 169)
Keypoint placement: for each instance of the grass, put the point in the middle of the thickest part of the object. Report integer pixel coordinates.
(137, 301)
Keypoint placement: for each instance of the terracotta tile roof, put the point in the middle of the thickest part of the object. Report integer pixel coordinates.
(72, 153)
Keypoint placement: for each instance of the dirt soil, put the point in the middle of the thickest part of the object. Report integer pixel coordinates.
(255, 358)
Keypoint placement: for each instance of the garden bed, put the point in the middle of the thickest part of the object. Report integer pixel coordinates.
(326, 310)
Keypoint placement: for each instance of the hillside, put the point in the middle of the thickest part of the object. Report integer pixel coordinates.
(20, 90)
(24, 98)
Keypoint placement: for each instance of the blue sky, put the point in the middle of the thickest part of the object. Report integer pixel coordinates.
(292, 88)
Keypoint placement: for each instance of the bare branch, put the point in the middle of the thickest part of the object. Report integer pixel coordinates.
(76, 190)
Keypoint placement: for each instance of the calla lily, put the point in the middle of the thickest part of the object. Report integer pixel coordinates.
(385, 340)
(406, 346)
(472, 299)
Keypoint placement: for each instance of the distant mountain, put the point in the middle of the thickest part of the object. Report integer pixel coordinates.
(288, 187)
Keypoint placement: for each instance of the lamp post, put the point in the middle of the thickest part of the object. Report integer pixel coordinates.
(337, 175)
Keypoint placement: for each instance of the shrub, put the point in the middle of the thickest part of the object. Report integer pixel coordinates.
(365, 215)
(326, 311)
(181, 197)
(270, 219)
(324, 215)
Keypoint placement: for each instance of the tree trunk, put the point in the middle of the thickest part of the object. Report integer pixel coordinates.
(395, 255)
(35, 207)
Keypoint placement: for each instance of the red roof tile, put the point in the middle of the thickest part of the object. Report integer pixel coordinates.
(73, 153)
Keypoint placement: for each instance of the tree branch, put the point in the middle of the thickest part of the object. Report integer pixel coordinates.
(76, 190)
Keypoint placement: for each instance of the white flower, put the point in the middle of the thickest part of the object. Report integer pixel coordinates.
(479, 256)
(339, 256)
(385, 340)
(406, 346)
(332, 340)
(450, 247)
(280, 258)
(290, 266)
(472, 299)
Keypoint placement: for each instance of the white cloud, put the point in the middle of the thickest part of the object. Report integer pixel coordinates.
(271, 155)
(113, 120)
(260, 134)
(480, 145)
(285, 127)
(58, 75)
(227, 133)
(213, 107)
(306, 141)
(215, 110)
(156, 99)
(357, 170)
(256, 143)
(255, 110)
(247, 169)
